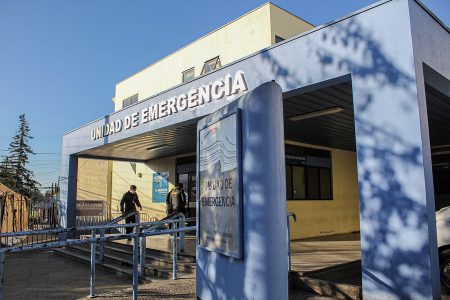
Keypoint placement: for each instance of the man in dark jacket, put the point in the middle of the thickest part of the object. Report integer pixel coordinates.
(128, 203)
(176, 200)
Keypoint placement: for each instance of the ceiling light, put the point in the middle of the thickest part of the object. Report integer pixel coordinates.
(318, 113)
(157, 147)
(440, 146)
(440, 152)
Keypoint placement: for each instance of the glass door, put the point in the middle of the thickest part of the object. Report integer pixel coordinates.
(192, 195)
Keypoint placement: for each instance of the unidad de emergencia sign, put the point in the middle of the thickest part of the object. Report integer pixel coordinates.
(226, 86)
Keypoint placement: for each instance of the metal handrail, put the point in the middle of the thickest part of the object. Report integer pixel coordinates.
(179, 220)
(173, 216)
(294, 217)
(138, 234)
(120, 218)
(91, 227)
(102, 231)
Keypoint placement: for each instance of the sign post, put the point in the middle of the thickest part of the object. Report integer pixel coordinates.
(241, 199)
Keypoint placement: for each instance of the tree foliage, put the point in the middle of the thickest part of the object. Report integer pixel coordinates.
(13, 170)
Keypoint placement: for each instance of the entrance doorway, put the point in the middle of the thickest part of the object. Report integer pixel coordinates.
(186, 174)
(322, 180)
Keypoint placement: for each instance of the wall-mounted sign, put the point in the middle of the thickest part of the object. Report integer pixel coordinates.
(219, 201)
(222, 87)
(90, 207)
(160, 187)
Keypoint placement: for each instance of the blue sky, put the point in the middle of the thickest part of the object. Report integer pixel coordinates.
(60, 60)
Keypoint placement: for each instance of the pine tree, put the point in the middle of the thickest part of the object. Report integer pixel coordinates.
(6, 172)
(20, 178)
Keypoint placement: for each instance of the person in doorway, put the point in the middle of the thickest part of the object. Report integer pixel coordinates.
(128, 203)
(176, 200)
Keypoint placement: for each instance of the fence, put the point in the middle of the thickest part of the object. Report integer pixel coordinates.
(141, 231)
(14, 214)
(21, 214)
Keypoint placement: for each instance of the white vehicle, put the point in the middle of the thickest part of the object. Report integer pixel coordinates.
(443, 240)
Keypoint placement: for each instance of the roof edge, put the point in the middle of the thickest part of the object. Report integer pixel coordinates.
(436, 18)
(292, 14)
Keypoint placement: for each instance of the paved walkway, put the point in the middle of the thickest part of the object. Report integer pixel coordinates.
(43, 275)
(317, 253)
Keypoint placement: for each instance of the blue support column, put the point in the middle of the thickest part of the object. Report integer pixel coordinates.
(396, 207)
(262, 272)
(69, 169)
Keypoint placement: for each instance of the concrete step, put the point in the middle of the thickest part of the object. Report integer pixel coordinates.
(329, 282)
(113, 268)
(124, 248)
(118, 258)
(152, 252)
(125, 258)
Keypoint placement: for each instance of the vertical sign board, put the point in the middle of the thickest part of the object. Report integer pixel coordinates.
(160, 187)
(219, 169)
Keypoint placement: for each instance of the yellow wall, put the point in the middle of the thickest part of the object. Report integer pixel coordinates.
(315, 217)
(285, 24)
(123, 176)
(326, 217)
(239, 38)
(92, 179)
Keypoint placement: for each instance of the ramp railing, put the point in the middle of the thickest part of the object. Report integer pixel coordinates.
(294, 217)
(114, 221)
(178, 216)
(96, 238)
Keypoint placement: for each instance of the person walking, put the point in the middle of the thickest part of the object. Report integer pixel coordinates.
(176, 200)
(128, 203)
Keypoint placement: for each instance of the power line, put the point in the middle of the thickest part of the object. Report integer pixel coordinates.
(38, 153)
(50, 172)
(50, 159)
(49, 153)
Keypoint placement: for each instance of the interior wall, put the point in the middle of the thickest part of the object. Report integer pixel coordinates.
(123, 175)
(326, 217)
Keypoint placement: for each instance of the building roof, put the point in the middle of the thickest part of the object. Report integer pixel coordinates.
(209, 33)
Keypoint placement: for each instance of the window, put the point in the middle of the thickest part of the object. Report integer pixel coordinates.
(308, 174)
(278, 39)
(298, 182)
(188, 75)
(211, 65)
(130, 100)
